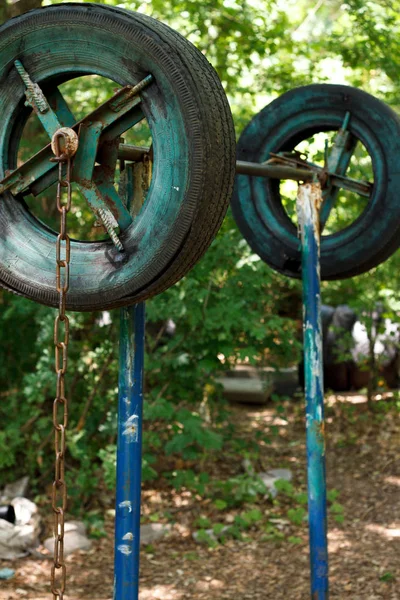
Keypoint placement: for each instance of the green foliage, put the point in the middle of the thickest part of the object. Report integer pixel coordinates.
(252, 516)
(272, 534)
(338, 512)
(95, 524)
(285, 487)
(292, 539)
(297, 515)
(332, 495)
(240, 489)
(301, 498)
(214, 533)
(188, 479)
(203, 537)
(335, 508)
(192, 556)
(387, 577)
(191, 437)
(220, 504)
(202, 522)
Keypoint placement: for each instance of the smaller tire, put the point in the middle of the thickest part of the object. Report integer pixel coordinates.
(257, 205)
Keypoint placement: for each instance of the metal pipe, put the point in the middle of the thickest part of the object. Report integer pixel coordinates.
(271, 170)
(32, 175)
(129, 453)
(133, 153)
(309, 200)
(136, 153)
(275, 171)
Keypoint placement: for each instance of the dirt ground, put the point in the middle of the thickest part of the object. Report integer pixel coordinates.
(363, 464)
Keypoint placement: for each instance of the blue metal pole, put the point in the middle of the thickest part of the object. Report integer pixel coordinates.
(129, 453)
(308, 204)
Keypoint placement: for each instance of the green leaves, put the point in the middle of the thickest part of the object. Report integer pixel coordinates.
(240, 489)
(297, 515)
(191, 436)
(187, 478)
(338, 512)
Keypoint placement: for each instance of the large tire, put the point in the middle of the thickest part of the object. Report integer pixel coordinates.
(256, 202)
(194, 153)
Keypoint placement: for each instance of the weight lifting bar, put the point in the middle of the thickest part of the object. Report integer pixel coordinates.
(279, 167)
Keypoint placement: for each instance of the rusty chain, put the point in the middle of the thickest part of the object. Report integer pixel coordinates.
(63, 156)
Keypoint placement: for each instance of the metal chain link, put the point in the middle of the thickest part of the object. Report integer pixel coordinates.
(61, 342)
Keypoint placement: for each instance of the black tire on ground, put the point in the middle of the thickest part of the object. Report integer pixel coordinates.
(280, 126)
(194, 153)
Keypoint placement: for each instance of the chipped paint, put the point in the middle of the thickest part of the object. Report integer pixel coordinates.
(131, 428)
(129, 455)
(309, 200)
(124, 549)
(308, 205)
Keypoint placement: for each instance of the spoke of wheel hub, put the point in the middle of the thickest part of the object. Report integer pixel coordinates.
(337, 162)
(101, 127)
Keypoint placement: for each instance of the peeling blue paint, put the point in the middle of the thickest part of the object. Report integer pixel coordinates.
(131, 427)
(129, 455)
(124, 549)
(308, 205)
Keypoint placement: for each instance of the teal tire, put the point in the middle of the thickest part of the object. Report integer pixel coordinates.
(257, 205)
(194, 153)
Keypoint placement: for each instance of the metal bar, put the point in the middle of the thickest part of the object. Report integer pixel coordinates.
(26, 178)
(37, 100)
(134, 153)
(60, 108)
(115, 118)
(129, 453)
(271, 170)
(309, 200)
(363, 188)
(110, 197)
(275, 171)
(337, 162)
(98, 192)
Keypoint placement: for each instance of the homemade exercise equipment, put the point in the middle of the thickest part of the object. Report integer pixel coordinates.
(170, 202)
(298, 248)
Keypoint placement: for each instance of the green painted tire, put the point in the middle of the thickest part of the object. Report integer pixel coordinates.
(257, 204)
(194, 153)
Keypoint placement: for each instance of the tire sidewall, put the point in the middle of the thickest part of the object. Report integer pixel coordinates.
(101, 275)
(256, 202)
